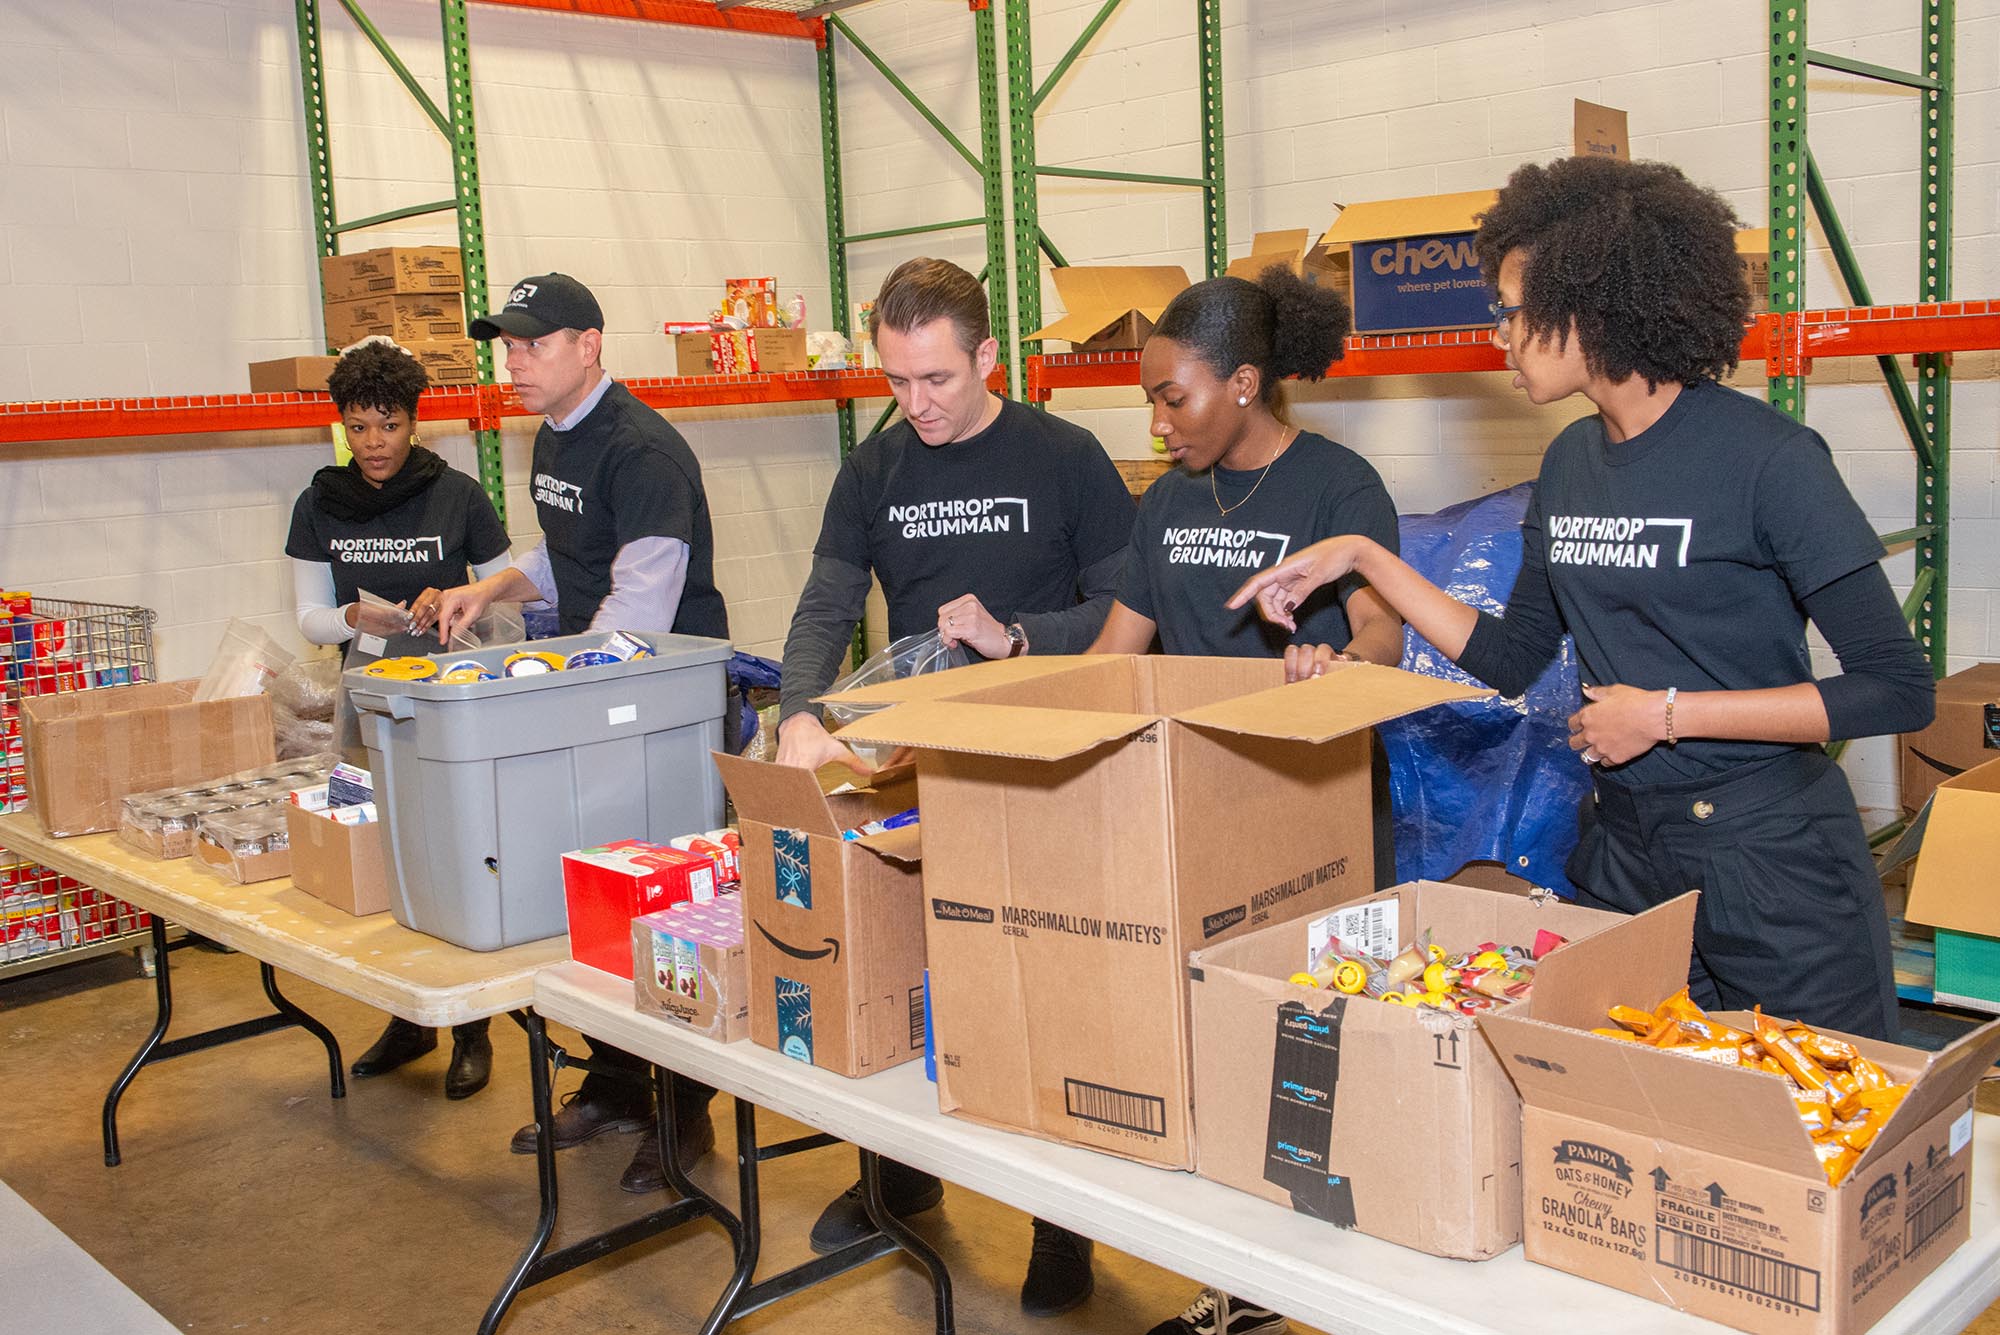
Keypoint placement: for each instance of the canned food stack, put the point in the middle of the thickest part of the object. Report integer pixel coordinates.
(167, 822)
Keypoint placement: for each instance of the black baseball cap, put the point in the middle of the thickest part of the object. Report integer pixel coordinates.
(541, 305)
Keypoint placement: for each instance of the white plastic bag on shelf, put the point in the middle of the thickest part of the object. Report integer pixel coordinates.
(911, 656)
(245, 662)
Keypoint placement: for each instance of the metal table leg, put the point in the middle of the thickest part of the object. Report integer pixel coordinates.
(156, 1047)
(894, 1228)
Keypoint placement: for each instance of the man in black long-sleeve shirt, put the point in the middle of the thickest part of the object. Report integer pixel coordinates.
(1002, 528)
(1683, 535)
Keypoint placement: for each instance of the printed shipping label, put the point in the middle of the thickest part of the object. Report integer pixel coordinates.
(1961, 1132)
(1369, 928)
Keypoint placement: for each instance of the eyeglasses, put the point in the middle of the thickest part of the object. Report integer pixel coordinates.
(1501, 314)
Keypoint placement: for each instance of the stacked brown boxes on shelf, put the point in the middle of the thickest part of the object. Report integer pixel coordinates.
(412, 294)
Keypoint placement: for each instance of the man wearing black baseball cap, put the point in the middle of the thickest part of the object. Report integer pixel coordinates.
(626, 545)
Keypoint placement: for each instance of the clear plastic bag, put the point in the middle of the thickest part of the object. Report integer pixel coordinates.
(911, 656)
(502, 624)
(303, 699)
(245, 662)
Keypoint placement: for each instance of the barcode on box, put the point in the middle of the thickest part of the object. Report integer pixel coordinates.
(1144, 1113)
(916, 1019)
(1934, 1215)
(1765, 1276)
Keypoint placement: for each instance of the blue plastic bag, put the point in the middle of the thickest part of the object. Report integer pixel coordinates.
(1483, 780)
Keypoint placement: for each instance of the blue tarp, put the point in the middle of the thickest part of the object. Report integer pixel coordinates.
(1483, 780)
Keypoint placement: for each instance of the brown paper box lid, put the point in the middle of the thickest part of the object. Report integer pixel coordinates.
(1419, 215)
(1951, 885)
(1020, 731)
(1347, 699)
(1096, 295)
(1288, 248)
(778, 795)
(1753, 241)
(963, 680)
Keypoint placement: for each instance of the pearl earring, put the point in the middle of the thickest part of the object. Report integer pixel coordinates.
(1243, 400)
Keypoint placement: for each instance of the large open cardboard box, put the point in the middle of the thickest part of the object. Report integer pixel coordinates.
(1695, 1185)
(1410, 262)
(834, 926)
(1088, 821)
(1396, 1122)
(1112, 308)
(1951, 887)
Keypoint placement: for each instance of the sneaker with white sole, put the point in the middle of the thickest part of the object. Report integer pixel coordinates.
(1204, 1316)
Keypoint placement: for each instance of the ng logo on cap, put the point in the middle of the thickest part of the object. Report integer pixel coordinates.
(520, 295)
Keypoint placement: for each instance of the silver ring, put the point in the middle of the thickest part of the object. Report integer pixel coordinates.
(1590, 757)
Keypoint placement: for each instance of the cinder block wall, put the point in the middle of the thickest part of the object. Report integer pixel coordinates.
(154, 224)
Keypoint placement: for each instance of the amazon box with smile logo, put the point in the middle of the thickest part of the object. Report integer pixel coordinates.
(1089, 821)
(834, 926)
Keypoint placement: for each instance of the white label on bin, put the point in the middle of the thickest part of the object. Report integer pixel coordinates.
(1961, 1132)
(621, 714)
(1369, 928)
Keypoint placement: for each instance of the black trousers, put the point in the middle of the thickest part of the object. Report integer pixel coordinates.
(1791, 915)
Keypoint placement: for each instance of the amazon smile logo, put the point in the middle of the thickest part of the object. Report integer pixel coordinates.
(832, 947)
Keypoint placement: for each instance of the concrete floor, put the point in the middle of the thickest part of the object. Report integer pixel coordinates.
(249, 1200)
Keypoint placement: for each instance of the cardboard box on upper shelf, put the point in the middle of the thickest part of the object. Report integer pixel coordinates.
(369, 273)
(1086, 822)
(740, 351)
(1112, 308)
(406, 317)
(291, 375)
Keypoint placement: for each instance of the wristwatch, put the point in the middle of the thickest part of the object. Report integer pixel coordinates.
(1017, 640)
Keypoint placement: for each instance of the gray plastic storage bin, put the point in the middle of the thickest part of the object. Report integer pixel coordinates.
(483, 787)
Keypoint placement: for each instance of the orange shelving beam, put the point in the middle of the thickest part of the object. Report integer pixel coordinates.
(755, 19)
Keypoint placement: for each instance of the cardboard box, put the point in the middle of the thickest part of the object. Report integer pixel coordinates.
(338, 864)
(452, 361)
(407, 317)
(1112, 307)
(751, 300)
(1951, 886)
(835, 926)
(740, 352)
(606, 887)
(258, 862)
(1287, 249)
(1411, 262)
(1696, 1186)
(1753, 248)
(87, 750)
(370, 273)
(291, 375)
(1600, 132)
(1375, 1117)
(690, 965)
(1086, 823)
(1960, 737)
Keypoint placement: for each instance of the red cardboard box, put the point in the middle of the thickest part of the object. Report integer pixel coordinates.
(608, 886)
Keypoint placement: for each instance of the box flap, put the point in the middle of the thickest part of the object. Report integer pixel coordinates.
(1753, 241)
(1948, 1076)
(962, 680)
(1740, 1113)
(1420, 215)
(1951, 885)
(782, 796)
(1640, 961)
(904, 844)
(1350, 697)
(1600, 132)
(994, 730)
(1288, 248)
(1096, 295)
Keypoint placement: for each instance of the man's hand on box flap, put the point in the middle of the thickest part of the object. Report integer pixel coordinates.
(804, 743)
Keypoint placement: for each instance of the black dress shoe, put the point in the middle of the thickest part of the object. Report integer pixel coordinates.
(1059, 1273)
(471, 1060)
(904, 1190)
(645, 1174)
(401, 1043)
(578, 1120)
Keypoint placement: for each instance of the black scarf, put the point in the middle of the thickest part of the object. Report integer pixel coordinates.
(342, 492)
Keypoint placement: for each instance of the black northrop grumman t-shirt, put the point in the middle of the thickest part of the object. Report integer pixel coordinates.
(1012, 515)
(425, 543)
(1187, 557)
(619, 475)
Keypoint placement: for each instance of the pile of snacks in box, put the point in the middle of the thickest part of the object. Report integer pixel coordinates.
(163, 823)
(1483, 978)
(1843, 1098)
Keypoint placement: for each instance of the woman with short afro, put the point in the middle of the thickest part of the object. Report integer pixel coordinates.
(1684, 534)
(397, 522)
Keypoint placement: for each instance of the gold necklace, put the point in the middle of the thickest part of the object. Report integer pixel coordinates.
(1213, 490)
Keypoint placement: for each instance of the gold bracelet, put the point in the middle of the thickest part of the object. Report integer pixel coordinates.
(1672, 691)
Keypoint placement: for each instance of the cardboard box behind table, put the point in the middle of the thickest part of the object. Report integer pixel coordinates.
(1951, 886)
(451, 361)
(88, 749)
(1396, 1122)
(1957, 739)
(291, 375)
(835, 927)
(1086, 823)
(1112, 307)
(407, 317)
(769, 350)
(338, 864)
(1695, 1185)
(691, 967)
(370, 273)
